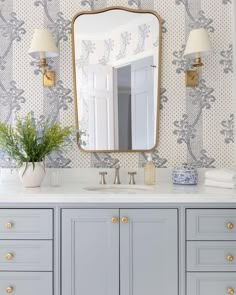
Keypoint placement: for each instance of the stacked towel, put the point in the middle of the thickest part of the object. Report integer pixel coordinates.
(225, 178)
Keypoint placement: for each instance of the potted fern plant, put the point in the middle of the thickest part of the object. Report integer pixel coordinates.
(28, 143)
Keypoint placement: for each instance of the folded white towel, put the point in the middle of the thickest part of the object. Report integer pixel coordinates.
(224, 175)
(209, 182)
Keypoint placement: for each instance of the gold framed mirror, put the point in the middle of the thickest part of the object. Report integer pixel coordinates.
(116, 65)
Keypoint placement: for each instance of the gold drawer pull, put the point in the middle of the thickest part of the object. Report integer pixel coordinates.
(230, 225)
(124, 219)
(230, 291)
(9, 225)
(9, 290)
(230, 258)
(114, 219)
(9, 256)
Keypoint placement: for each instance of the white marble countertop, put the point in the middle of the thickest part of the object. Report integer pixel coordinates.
(73, 183)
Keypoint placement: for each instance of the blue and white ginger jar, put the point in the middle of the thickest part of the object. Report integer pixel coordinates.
(185, 174)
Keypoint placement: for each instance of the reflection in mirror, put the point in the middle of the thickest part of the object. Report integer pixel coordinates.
(117, 55)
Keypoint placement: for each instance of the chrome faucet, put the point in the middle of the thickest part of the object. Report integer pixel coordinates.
(117, 174)
(103, 180)
(131, 180)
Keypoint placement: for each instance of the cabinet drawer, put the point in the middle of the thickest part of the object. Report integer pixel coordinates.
(26, 224)
(26, 255)
(211, 283)
(26, 283)
(211, 256)
(211, 224)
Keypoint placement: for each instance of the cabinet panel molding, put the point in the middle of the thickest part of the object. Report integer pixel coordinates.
(211, 256)
(26, 283)
(210, 283)
(22, 224)
(211, 224)
(149, 252)
(90, 252)
(26, 255)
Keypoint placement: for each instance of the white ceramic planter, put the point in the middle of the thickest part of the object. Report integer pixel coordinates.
(32, 176)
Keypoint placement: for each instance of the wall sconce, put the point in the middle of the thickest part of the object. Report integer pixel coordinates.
(198, 45)
(43, 47)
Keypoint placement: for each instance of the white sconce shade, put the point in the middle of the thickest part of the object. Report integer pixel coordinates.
(198, 44)
(43, 44)
(42, 47)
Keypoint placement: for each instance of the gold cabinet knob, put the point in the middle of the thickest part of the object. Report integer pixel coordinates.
(230, 225)
(8, 225)
(230, 291)
(230, 258)
(124, 219)
(9, 256)
(114, 219)
(9, 290)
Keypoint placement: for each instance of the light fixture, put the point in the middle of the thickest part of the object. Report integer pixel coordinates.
(43, 47)
(198, 46)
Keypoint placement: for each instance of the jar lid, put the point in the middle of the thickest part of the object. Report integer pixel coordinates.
(184, 167)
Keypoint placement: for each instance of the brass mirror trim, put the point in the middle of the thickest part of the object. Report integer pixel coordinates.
(158, 82)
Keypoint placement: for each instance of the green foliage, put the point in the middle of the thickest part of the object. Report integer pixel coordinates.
(29, 141)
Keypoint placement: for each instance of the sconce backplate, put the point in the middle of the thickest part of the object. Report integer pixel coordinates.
(191, 78)
(49, 79)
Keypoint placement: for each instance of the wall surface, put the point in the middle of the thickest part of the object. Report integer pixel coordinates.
(196, 125)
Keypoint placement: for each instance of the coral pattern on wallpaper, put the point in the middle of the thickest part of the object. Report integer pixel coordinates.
(196, 125)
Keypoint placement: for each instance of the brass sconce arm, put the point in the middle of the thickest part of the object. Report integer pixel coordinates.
(192, 76)
(48, 76)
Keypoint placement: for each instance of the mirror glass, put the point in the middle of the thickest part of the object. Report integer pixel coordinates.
(116, 63)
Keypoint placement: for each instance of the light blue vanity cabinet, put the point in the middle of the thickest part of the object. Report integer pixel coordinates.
(26, 224)
(113, 246)
(26, 251)
(211, 251)
(26, 283)
(148, 252)
(126, 251)
(90, 251)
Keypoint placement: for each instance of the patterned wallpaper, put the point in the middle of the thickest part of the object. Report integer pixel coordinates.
(196, 124)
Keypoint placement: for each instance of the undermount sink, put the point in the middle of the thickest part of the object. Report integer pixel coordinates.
(119, 188)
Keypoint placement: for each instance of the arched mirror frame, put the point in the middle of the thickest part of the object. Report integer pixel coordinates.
(158, 82)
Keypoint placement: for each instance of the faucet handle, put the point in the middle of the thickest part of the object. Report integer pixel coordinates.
(103, 179)
(131, 180)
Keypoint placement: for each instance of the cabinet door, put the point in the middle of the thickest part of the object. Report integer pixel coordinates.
(148, 252)
(90, 252)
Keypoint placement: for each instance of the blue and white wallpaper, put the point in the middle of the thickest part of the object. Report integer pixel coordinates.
(196, 124)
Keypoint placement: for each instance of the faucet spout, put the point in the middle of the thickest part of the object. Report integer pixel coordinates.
(117, 174)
